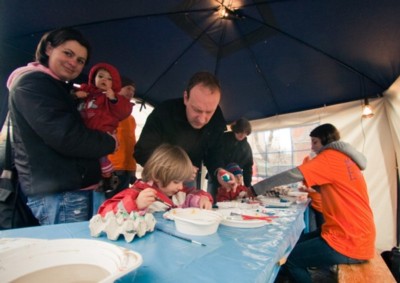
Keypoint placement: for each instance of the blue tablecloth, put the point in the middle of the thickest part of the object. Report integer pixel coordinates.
(230, 255)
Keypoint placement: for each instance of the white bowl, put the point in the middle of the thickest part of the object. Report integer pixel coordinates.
(65, 261)
(195, 221)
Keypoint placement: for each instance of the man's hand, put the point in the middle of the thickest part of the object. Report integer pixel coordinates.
(231, 184)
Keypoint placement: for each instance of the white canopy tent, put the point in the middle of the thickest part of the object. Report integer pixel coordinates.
(378, 138)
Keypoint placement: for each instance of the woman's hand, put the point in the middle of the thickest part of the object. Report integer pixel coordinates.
(146, 198)
(205, 203)
(81, 94)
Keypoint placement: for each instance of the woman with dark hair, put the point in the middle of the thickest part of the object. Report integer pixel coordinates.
(56, 155)
(57, 38)
(348, 234)
(326, 133)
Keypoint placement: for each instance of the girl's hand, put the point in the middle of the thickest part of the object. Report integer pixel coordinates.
(205, 202)
(146, 198)
(110, 94)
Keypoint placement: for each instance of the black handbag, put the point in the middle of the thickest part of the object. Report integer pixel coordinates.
(14, 213)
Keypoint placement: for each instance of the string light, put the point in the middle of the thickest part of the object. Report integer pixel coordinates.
(367, 110)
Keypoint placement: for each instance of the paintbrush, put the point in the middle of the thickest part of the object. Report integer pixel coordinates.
(166, 203)
(180, 237)
(253, 217)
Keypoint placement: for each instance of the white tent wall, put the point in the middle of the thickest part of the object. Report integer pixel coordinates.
(392, 105)
(371, 136)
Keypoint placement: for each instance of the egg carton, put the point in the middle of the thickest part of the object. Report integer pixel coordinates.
(116, 224)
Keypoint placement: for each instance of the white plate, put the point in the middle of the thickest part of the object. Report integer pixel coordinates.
(238, 222)
(237, 204)
(297, 194)
(70, 260)
(274, 202)
(7, 244)
(300, 197)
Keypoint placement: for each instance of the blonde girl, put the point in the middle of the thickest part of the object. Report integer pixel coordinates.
(161, 186)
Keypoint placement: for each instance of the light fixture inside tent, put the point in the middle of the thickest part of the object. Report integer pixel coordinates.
(367, 110)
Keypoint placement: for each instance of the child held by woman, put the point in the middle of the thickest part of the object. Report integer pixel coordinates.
(102, 108)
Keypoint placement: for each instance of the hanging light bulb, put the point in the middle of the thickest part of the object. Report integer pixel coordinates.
(367, 110)
(229, 13)
(223, 12)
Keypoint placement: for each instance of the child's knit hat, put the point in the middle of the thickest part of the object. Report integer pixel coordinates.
(234, 169)
(116, 78)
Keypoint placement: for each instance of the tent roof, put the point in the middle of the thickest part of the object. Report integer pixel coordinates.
(274, 57)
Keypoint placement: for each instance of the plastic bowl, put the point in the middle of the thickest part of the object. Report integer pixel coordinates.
(65, 260)
(195, 221)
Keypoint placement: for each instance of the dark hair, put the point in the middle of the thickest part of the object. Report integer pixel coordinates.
(56, 38)
(205, 78)
(242, 126)
(327, 133)
(127, 81)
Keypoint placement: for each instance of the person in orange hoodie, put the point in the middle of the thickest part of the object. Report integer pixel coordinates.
(318, 141)
(122, 159)
(348, 233)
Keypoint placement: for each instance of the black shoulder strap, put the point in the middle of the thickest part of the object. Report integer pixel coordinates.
(6, 179)
(8, 154)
